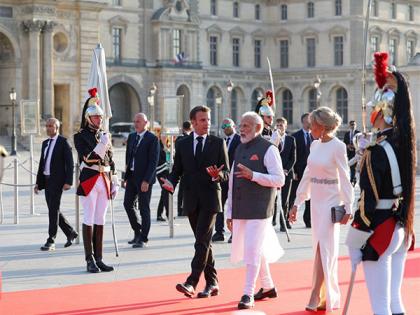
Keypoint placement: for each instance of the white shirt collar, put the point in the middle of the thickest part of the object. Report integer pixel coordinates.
(54, 138)
(141, 134)
(196, 135)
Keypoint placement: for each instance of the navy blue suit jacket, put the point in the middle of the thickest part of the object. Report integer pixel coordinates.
(146, 158)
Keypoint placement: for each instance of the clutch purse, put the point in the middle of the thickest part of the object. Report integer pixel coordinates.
(337, 213)
(357, 238)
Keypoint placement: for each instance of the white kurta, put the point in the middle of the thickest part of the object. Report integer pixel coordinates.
(253, 239)
(326, 183)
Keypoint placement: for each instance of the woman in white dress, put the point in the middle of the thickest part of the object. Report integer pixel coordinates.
(326, 182)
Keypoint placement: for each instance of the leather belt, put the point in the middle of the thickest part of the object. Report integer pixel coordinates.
(98, 168)
(386, 204)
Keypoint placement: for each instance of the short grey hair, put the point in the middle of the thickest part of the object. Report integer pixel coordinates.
(256, 119)
(142, 115)
(327, 118)
(55, 121)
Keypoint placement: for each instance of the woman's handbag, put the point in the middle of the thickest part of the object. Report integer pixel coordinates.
(337, 213)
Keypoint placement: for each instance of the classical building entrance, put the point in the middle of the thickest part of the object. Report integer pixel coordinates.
(125, 102)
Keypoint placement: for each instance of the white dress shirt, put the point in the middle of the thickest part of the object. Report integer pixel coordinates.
(47, 159)
(196, 141)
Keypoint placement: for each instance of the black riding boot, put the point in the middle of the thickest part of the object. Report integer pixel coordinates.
(87, 242)
(98, 247)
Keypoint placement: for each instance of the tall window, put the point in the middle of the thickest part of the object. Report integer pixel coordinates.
(342, 104)
(213, 7)
(236, 9)
(257, 53)
(393, 10)
(311, 9)
(411, 48)
(312, 99)
(255, 97)
(257, 12)
(176, 42)
(338, 7)
(283, 9)
(310, 52)
(374, 45)
(211, 103)
(288, 106)
(374, 9)
(410, 12)
(393, 51)
(338, 51)
(235, 52)
(284, 54)
(116, 43)
(234, 105)
(213, 50)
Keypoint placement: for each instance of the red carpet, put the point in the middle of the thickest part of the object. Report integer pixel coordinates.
(157, 295)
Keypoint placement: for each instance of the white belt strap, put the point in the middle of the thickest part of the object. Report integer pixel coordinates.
(395, 170)
(386, 204)
(98, 168)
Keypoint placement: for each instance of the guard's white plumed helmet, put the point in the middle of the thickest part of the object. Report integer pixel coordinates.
(266, 110)
(93, 110)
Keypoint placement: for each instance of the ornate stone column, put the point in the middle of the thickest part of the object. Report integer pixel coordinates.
(48, 71)
(33, 28)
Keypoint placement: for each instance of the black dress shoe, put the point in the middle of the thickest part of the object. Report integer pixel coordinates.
(186, 289)
(160, 219)
(230, 239)
(71, 238)
(260, 295)
(140, 244)
(218, 237)
(288, 225)
(274, 223)
(103, 267)
(209, 290)
(136, 239)
(282, 229)
(246, 302)
(48, 246)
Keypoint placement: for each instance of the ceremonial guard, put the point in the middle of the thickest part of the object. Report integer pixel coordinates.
(382, 230)
(265, 110)
(93, 146)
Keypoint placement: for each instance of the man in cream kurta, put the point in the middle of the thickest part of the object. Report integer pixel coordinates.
(256, 174)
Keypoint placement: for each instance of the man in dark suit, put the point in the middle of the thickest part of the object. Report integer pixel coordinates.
(55, 174)
(303, 143)
(232, 140)
(203, 161)
(287, 148)
(348, 140)
(141, 158)
(186, 130)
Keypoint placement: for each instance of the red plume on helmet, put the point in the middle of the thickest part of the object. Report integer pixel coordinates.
(269, 96)
(93, 92)
(381, 66)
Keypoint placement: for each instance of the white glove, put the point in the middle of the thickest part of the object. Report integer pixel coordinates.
(115, 186)
(105, 138)
(355, 256)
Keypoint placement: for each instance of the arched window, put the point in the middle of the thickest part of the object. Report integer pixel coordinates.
(255, 97)
(236, 9)
(288, 106)
(234, 105)
(312, 100)
(211, 103)
(342, 104)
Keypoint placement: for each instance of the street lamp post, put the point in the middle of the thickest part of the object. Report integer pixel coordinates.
(12, 94)
(151, 100)
(317, 83)
(218, 101)
(229, 87)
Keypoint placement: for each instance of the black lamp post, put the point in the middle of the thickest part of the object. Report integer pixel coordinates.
(12, 94)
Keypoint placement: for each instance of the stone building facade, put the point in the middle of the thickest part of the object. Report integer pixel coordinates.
(212, 52)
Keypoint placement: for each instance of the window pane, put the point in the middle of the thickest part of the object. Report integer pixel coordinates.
(393, 52)
(288, 106)
(374, 8)
(257, 12)
(213, 50)
(311, 10)
(338, 7)
(284, 12)
(342, 106)
(338, 50)
(374, 44)
(176, 42)
(410, 49)
(236, 9)
(235, 52)
(257, 53)
(393, 10)
(310, 52)
(312, 99)
(284, 53)
(234, 105)
(211, 103)
(213, 9)
(410, 13)
(116, 43)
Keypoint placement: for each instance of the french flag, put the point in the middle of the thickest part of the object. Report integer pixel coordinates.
(180, 58)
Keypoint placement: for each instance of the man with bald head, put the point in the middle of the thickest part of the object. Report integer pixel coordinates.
(232, 140)
(55, 174)
(141, 158)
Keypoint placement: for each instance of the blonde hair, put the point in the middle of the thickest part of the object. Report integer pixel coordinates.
(327, 118)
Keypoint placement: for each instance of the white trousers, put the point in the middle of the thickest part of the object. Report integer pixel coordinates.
(252, 272)
(384, 277)
(95, 204)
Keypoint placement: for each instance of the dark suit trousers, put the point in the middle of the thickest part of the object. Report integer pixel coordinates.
(202, 223)
(131, 194)
(220, 217)
(56, 218)
(164, 198)
(307, 212)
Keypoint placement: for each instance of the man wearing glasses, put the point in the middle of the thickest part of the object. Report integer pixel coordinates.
(232, 140)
